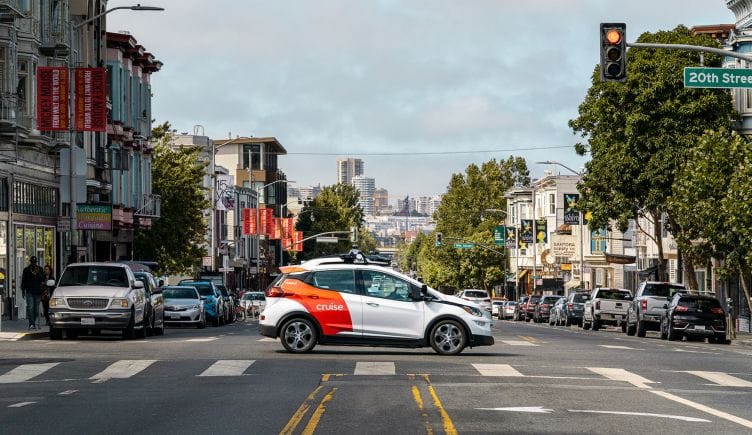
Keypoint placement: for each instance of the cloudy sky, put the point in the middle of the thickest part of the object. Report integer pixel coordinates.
(418, 89)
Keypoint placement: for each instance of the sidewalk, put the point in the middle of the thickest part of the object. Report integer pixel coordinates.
(13, 330)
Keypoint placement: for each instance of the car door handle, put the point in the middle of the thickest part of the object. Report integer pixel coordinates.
(313, 296)
(373, 304)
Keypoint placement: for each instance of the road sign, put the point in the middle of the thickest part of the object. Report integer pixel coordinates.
(463, 245)
(499, 235)
(323, 239)
(697, 77)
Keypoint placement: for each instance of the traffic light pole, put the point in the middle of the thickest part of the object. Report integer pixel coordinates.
(690, 48)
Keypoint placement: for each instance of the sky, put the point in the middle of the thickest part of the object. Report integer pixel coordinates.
(418, 89)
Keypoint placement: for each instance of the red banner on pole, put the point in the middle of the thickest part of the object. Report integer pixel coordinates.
(90, 99)
(298, 241)
(276, 233)
(267, 221)
(249, 221)
(288, 226)
(287, 245)
(52, 98)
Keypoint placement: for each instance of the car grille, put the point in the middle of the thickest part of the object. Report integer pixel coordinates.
(175, 308)
(88, 303)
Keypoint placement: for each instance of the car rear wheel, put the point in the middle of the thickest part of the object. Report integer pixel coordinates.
(567, 321)
(642, 328)
(448, 337)
(664, 334)
(631, 329)
(624, 326)
(298, 335)
(670, 333)
(596, 324)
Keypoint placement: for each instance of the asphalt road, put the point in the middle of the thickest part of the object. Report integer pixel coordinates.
(535, 379)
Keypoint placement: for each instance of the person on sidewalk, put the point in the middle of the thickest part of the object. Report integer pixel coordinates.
(47, 293)
(31, 285)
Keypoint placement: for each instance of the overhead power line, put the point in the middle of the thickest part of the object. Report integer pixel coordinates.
(425, 153)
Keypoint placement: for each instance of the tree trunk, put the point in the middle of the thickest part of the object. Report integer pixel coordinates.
(743, 273)
(691, 280)
(657, 231)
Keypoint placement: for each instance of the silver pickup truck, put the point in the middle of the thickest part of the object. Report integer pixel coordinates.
(606, 306)
(647, 307)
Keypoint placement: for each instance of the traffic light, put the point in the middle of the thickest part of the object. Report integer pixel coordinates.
(613, 52)
(438, 239)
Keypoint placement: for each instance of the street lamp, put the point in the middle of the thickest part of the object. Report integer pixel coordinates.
(71, 172)
(259, 192)
(579, 209)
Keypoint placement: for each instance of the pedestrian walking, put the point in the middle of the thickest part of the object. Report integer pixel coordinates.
(47, 293)
(31, 285)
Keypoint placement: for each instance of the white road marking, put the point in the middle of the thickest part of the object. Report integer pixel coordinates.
(25, 372)
(644, 414)
(267, 339)
(374, 368)
(228, 367)
(607, 346)
(67, 392)
(722, 379)
(695, 351)
(531, 409)
(498, 370)
(201, 340)
(123, 369)
(518, 343)
(732, 418)
(20, 404)
(622, 375)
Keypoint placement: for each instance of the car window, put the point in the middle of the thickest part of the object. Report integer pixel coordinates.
(94, 275)
(699, 303)
(663, 290)
(580, 297)
(475, 294)
(613, 294)
(337, 280)
(381, 285)
(203, 288)
(180, 293)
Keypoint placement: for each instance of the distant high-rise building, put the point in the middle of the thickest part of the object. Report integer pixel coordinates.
(380, 200)
(349, 168)
(366, 186)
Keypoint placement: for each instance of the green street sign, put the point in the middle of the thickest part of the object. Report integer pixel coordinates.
(697, 77)
(499, 235)
(463, 245)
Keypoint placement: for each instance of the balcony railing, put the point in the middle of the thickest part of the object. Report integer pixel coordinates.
(151, 205)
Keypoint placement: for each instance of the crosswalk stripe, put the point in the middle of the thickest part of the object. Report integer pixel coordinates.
(722, 379)
(498, 370)
(518, 343)
(25, 372)
(228, 367)
(622, 375)
(374, 368)
(123, 369)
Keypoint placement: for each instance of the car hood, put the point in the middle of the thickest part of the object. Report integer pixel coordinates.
(91, 291)
(454, 300)
(181, 301)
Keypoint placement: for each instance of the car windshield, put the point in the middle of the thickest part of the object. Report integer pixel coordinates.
(701, 304)
(613, 294)
(253, 297)
(476, 294)
(204, 289)
(580, 297)
(94, 275)
(180, 293)
(512, 303)
(663, 290)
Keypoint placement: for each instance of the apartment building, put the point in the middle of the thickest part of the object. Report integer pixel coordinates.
(366, 187)
(347, 168)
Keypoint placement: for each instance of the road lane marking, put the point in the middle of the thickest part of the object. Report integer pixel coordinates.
(607, 346)
(318, 412)
(300, 412)
(67, 392)
(200, 340)
(228, 367)
(644, 414)
(530, 339)
(446, 421)
(374, 368)
(530, 409)
(622, 375)
(421, 408)
(25, 372)
(721, 379)
(732, 418)
(518, 343)
(20, 404)
(498, 370)
(267, 340)
(122, 369)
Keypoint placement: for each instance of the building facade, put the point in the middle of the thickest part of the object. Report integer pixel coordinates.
(366, 186)
(347, 168)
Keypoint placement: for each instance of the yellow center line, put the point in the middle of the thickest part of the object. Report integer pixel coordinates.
(316, 417)
(446, 421)
(300, 413)
(423, 414)
(530, 339)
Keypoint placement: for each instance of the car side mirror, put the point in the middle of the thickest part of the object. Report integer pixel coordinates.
(161, 282)
(138, 284)
(50, 283)
(156, 290)
(424, 289)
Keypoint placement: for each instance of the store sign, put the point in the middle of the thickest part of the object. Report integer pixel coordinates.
(564, 245)
(52, 98)
(94, 217)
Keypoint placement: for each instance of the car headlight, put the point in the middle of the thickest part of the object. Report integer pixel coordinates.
(195, 307)
(473, 311)
(119, 303)
(57, 302)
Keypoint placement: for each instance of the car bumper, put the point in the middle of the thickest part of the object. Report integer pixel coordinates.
(87, 319)
(269, 331)
(481, 340)
(174, 317)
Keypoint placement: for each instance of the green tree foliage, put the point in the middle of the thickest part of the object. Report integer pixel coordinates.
(639, 133)
(462, 217)
(175, 239)
(336, 208)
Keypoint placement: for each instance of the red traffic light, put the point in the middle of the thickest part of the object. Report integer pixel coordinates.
(613, 52)
(613, 36)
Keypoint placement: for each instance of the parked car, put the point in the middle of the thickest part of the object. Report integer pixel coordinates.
(96, 296)
(519, 309)
(530, 307)
(575, 307)
(694, 316)
(154, 313)
(606, 306)
(253, 303)
(183, 305)
(542, 311)
(558, 312)
(647, 307)
(508, 310)
(480, 297)
(229, 303)
(213, 302)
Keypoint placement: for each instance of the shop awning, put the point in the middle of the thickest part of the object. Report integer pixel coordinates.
(571, 284)
(521, 275)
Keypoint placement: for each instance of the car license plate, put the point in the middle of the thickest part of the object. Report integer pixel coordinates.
(87, 321)
(700, 327)
(174, 315)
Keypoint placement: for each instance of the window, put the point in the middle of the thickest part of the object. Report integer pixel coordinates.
(552, 203)
(381, 285)
(337, 280)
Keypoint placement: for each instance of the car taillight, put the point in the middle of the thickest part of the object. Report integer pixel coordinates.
(486, 300)
(544, 305)
(644, 304)
(274, 292)
(597, 305)
(570, 306)
(681, 309)
(716, 310)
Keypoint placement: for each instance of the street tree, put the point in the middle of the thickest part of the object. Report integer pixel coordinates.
(639, 133)
(176, 238)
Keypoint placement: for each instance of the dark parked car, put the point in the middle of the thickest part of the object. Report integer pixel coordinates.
(694, 316)
(154, 310)
(519, 309)
(229, 301)
(575, 307)
(530, 307)
(557, 312)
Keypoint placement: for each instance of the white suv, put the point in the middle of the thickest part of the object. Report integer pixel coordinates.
(480, 297)
(347, 301)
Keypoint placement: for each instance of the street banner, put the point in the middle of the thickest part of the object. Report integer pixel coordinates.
(224, 190)
(511, 236)
(541, 230)
(52, 98)
(287, 244)
(298, 240)
(288, 227)
(526, 233)
(249, 221)
(571, 210)
(499, 235)
(266, 223)
(276, 233)
(94, 217)
(90, 98)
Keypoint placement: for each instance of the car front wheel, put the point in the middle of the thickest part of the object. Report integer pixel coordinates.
(448, 337)
(298, 335)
